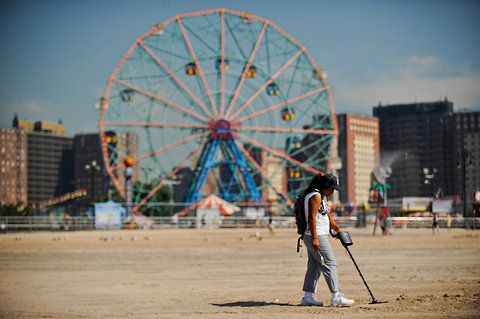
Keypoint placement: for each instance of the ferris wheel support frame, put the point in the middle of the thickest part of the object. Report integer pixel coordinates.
(221, 135)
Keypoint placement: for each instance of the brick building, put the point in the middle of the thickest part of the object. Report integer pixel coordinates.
(359, 151)
(13, 166)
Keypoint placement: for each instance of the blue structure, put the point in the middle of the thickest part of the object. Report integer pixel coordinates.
(231, 172)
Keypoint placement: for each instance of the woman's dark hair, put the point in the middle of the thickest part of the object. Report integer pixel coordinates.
(318, 182)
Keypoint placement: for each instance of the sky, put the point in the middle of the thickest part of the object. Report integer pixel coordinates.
(56, 55)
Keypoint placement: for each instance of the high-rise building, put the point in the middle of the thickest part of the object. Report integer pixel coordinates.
(89, 169)
(464, 132)
(50, 166)
(359, 150)
(13, 166)
(416, 145)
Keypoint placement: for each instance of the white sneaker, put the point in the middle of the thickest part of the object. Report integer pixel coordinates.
(339, 300)
(309, 301)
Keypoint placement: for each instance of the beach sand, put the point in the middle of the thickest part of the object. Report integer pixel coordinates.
(232, 273)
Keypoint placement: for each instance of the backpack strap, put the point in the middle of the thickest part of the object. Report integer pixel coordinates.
(298, 243)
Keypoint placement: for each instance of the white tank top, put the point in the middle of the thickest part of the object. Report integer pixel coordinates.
(322, 221)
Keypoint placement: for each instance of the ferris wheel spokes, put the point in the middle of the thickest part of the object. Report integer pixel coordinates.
(262, 172)
(162, 100)
(222, 62)
(163, 149)
(156, 124)
(277, 153)
(175, 78)
(282, 104)
(264, 86)
(163, 181)
(200, 71)
(282, 130)
(247, 67)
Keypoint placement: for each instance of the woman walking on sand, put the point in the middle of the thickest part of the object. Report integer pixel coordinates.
(320, 254)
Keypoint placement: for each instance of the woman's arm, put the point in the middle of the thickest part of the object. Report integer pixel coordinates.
(333, 225)
(313, 205)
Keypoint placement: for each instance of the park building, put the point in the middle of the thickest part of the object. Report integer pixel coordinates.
(358, 150)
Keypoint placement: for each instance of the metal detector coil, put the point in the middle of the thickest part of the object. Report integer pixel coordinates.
(346, 241)
(345, 238)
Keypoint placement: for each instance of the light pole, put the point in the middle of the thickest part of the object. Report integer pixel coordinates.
(429, 176)
(170, 183)
(92, 167)
(128, 162)
(386, 175)
(464, 156)
(381, 175)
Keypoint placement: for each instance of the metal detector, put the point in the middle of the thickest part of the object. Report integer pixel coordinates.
(346, 241)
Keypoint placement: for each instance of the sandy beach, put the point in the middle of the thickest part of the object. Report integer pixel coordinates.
(233, 273)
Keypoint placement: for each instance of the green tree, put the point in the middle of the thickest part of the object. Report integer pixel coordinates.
(15, 210)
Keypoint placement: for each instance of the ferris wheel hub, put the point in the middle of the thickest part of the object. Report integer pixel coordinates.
(221, 129)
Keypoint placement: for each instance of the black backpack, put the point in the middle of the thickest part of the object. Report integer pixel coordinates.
(300, 219)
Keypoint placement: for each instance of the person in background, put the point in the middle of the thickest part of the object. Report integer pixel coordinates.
(435, 225)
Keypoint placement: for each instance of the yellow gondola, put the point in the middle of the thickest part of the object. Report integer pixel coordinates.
(191, 69)
(294, 173)
(128, 95)
(252, 72)
(288, 114)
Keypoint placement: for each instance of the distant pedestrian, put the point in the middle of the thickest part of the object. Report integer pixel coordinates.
(384, 221)
(435, 225)
(449, 221)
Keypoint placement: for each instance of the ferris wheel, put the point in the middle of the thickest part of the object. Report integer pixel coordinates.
(224, 98)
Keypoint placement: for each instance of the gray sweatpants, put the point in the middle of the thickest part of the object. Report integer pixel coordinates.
(320, 261)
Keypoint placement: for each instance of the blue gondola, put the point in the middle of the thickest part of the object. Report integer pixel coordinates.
(273, 89)
(293, 143)
(218, 63)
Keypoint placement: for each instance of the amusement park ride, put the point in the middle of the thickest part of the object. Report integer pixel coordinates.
(217, 92)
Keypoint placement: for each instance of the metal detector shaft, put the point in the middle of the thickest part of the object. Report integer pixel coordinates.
(373, 298)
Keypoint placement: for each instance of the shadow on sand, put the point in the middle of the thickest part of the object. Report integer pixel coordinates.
(253, 304)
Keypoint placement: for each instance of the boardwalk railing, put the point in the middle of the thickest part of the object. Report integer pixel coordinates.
(46, 223)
